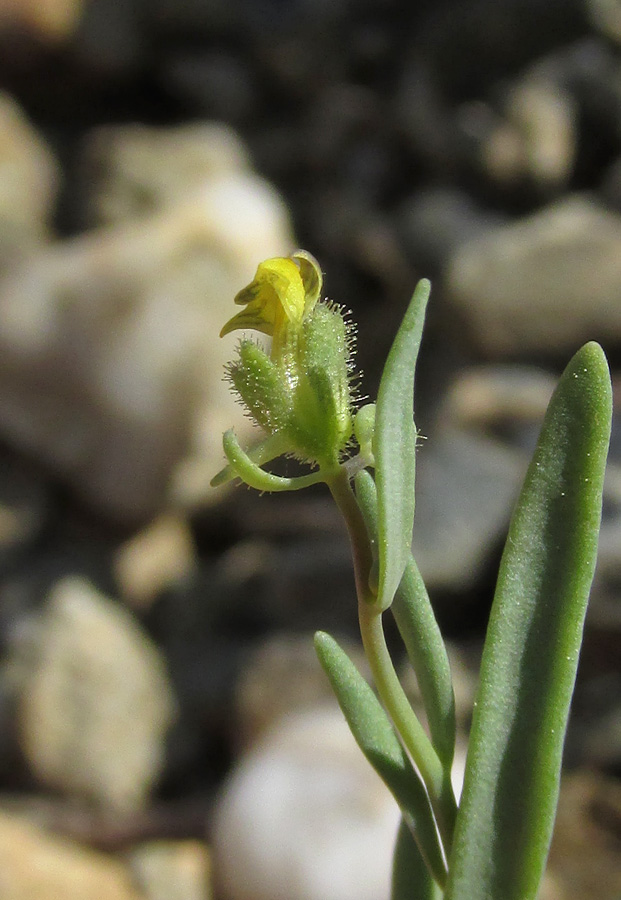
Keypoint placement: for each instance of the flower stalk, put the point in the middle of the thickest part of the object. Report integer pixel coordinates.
(436, 779)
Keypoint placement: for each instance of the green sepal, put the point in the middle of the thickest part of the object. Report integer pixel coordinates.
(261, 386)
(531, 650)
(315, 427)
(321, 422)
(376, 738)
(413, 613)
(395, 448)
(256, 477)
(266, 450)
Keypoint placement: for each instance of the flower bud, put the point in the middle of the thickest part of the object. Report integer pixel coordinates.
(302, 390)
(364, 429)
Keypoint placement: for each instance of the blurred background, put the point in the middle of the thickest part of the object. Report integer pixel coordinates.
(165, 732)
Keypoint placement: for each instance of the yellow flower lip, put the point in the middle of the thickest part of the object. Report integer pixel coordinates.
(283, 291)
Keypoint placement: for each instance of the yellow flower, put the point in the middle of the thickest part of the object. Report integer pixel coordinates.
(283, 291)
(301, 392)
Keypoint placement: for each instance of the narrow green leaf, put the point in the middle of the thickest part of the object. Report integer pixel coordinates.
(395, 446)
(413, 613)
(376, 738)
(531, 651)
(410, 877)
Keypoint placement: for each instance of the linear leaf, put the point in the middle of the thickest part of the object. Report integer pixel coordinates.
(410, 876)
(394, 448)
(531, 651)
(376, 738)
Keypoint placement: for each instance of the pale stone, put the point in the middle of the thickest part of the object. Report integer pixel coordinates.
(606, 16)
(305, 817)
(547, 119)
(51, 20)
(112, 366)
(29, 180)
(466, 485)
(95, 703)
(155, 558)
(172, 870)
(536, 140)
(544, 284)
(482, 397)
(128, 170)
(282, 676)
(584, 855)
(35, 865)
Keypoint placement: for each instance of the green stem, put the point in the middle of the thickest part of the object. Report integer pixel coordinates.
(436, 779)
(341, 490)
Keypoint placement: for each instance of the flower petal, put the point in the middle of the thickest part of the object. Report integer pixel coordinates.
(275, 297)
(311, 277)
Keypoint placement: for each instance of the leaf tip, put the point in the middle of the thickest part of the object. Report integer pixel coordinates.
(590, 361)
(424, 285)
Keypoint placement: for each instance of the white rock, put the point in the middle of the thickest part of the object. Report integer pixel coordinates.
(606, 16)
(49, 20)
(544, 284)
(35, 865)
(536, 141)
(465, 489)
(157, 557)
(128, 171)
(29, 177)
(304, 817)
(281, 675)
(172, 870)
(96, 703)
(112, 366)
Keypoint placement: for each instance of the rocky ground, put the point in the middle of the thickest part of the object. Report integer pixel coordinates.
(155, 633)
